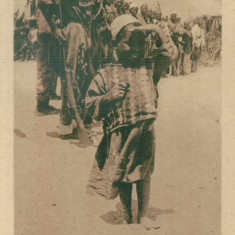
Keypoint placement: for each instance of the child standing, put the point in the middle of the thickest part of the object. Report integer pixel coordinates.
(123, 96)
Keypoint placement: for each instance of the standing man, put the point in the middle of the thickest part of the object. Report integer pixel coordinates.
(176, 31)
(187, 48)
(161, 22)
(198, 43)
(77, 70)
(179, 22)
(142, 17)
(158, 17)
(150, 16)
(172, 22)
(125, 9)
(134, 9)
(118, 4)
(46, 78)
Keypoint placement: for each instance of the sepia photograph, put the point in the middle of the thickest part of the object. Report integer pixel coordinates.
(117, 117)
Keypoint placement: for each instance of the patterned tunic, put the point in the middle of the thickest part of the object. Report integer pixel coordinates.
(126, 152)
(139, 103)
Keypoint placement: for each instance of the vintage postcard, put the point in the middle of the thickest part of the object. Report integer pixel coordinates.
(118, 118)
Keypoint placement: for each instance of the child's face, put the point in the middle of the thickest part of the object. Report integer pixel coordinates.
(131, 45)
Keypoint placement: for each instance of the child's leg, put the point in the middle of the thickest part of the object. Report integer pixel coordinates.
(143, 194)
(125, 192)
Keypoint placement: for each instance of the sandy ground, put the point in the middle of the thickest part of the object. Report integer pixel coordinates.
(51, 174)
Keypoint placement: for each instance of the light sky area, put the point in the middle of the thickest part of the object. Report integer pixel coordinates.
(185, 8)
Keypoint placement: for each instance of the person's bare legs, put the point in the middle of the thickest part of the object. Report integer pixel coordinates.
(143, 194)
(125, 192)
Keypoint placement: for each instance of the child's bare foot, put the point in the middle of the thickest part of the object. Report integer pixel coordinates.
(148, 223)
(128, 219)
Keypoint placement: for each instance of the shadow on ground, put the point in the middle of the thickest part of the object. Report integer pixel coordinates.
(114, 217)
(53, 134)
(19, 133)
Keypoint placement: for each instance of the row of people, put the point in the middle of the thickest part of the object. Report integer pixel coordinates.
(191, 37)
(109, 63)
(96, 19)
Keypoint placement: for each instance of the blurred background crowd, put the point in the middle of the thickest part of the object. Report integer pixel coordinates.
(198, 40)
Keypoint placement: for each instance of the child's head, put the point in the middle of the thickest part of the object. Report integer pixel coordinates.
(130, 42)
(130, 45)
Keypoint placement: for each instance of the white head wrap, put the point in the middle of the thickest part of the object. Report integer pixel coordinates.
(120, 22)
(133, 5)
(174, 13)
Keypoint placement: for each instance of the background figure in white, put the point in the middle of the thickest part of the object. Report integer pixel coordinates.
(198, 43)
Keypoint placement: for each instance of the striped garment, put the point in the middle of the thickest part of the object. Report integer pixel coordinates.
(140, 102)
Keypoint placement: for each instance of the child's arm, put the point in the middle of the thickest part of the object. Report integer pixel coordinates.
(100, 100)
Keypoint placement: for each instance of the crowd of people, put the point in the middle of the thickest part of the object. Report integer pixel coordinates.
(185, 34)
(74, 40)
(110, 56)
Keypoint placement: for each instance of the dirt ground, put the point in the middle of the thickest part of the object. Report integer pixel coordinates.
(51, 174)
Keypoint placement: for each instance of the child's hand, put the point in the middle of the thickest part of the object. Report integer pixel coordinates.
(118, 91)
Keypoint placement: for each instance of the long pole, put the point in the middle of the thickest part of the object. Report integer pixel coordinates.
(83, 133)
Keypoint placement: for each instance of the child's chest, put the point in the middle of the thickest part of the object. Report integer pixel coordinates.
(140, 101)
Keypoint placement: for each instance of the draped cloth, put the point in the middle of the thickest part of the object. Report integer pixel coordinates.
(140, 102)
(126, 155)
(126, 152)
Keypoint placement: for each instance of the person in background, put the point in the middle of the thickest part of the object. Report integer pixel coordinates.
(179, 22)
(110, 12)
(77, 66)
(172, 22)
(119, 4)
(150, 16)
(176, 31)
(142, 17)
(160, 21)
(158, 16)
(46, 77)
(134, 9)
(187, 48)
(198, 43)
(125, 9)
(163, 25)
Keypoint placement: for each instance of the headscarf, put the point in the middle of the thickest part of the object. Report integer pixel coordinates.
(120, 22)
(133, 5)
(173, 13)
